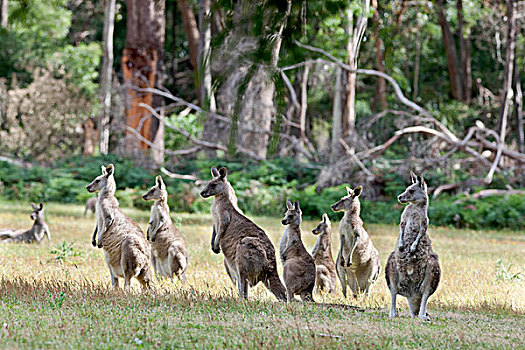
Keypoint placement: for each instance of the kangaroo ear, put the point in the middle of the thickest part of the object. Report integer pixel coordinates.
(223, 172)
(109, 169)
(326, 219)
(214, 172)
(104, 172)
(421, 181)
(289, 204)
(159, 182)
(349, 191)
(33, 205)
(41, 206)
(413, 177)
(296, 206)
(357, 191)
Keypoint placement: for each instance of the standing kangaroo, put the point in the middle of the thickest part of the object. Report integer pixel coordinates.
(298, 264)
(412, 269)
(248, 252)
(169, 255)
(325, 270)
(358, 264)
(126, 249)
(91, 205)
(34, 234)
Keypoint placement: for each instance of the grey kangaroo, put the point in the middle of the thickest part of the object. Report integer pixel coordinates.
(169, 255)
(125, 247)
(298, 264)
(358, 264)
(91, 205)
(34, 234)
(248, 252)
(325, 270)
(412, 269)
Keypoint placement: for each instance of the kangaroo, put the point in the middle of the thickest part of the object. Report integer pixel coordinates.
(358, 264)
(169, 255)
(233, 200)
(298, 264)
(412, 269)
(34, 234)
(91, 205)
(126, 249)
(248, 252)
(325, 270)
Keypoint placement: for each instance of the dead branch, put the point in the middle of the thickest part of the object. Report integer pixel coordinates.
(489, 193)
(352, 155)
(467, 183)
(178, 176)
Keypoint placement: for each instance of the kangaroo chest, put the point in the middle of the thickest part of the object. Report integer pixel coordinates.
(413, 219)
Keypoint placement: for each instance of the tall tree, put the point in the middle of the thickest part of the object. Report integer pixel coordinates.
(145, 27)
(357, 18)
(380, 95)
(192, 31)
(4, 13)
(105, 76)
(510, 52)
(464, 52)
(450, 51)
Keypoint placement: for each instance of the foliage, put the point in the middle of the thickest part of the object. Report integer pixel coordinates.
(261, 188)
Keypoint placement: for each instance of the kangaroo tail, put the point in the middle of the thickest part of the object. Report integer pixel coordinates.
(274, 284)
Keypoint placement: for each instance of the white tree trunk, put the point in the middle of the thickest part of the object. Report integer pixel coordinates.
(105, 76)
(4, 13)
(337, 115)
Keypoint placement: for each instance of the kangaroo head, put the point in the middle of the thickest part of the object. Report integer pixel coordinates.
(416, 192)
(38, 212)
(293, 214)
(101, 182)
(324, 226)
(157, 191)
(218, 184)
(350, 202)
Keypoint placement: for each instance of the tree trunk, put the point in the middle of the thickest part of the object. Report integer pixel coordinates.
(509, 70)
(105, 77)
(415, 88)
(304, 100)
(89, 137)
(4, 13)
(464, 51)
(192, 32)
(157, 126)
(380, 95)
(140, 58)
(337, 114)
(205, 79)
(450, 51)
(355, 37)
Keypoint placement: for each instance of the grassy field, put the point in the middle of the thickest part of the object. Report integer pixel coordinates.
(58, 295)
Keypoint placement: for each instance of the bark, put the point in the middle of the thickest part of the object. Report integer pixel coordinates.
(304, 101)
(140, 58)
(89, 137)
(192, 31)
(157, 127)
(380, 95)
(355, 37)
(205, 78)
(464, 51)
(450, 51)
(105, 77)
(4, 13)
(337, 115)
(415, 85)
(509, 70)
(519, 116)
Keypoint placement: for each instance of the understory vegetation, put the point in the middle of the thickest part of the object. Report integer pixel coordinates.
(58, 295)
(261, 187)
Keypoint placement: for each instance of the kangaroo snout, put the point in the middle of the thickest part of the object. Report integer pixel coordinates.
(204, 194)
(89, 189)
(284, 222)
(333, 207)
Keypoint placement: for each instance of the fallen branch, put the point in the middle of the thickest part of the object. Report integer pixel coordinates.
(489, 193)
(352, 155)
(179, 176)
(467, 183)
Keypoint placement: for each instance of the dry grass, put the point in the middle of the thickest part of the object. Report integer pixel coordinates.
(68, 303)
